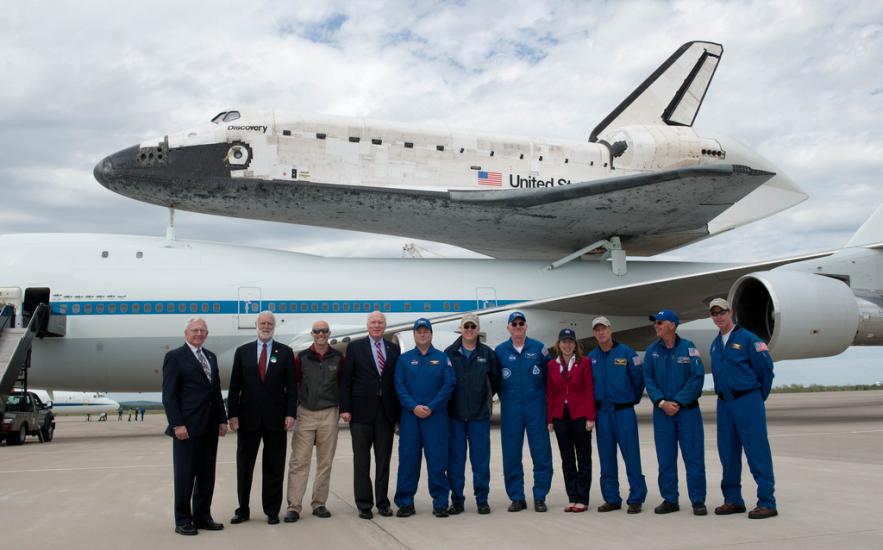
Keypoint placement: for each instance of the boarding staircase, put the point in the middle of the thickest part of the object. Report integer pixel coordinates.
(15, 349)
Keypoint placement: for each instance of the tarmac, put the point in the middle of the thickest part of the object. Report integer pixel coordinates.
(109, 485)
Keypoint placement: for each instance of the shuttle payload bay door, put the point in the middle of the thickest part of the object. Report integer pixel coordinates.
(249, 306)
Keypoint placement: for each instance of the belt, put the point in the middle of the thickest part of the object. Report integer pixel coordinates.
(736, 394)
(616, 406)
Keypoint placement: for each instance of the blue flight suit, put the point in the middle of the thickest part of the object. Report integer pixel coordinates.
(469, 410)
(523, 408)
(743, 378)
(619, 386)
(677, 375)
(423, 380)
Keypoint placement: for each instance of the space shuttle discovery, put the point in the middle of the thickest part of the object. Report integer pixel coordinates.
(645, 181)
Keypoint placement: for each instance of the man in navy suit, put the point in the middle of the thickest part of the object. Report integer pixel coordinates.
(368, 401)
(191, 395)
(262, 403)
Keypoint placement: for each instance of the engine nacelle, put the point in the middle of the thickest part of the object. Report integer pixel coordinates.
(800, 315)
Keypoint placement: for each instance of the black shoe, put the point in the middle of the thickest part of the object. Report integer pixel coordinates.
(384, 511)
(699, 509)
(518, 505)
(440, 512)
(666, 508)
(540, 506)
(272, 520)
(321, 512)
(365, 514)
(291, 517)
(483, 508)
(634, 508)
(455, 509)
(406, 511)
(609, 507)
(728, 508)
(186, 529)
(762, 513)
(239, 518)
(209, 525)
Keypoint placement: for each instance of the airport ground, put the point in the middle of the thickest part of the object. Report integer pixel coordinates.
(109, 485)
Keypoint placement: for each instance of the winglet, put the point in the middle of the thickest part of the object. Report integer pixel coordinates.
(671, 95)
(870, 233)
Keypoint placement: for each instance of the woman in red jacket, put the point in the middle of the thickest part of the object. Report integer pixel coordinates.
(570, 412)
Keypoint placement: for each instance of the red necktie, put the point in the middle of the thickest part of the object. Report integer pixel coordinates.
(262, 363)
(379, 357)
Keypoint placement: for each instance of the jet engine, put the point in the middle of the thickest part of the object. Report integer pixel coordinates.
(799, 315)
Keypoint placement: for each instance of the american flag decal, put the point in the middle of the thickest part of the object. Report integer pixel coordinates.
(492, 179)
(760, 346)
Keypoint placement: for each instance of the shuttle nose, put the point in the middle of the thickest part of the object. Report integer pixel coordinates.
(111, 169)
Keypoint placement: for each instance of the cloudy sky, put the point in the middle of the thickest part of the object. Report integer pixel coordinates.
(800, 82)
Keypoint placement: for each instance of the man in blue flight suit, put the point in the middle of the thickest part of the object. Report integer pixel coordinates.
(619, 386)
(522, 363)
(673, 374)
(743, 377)
(424, 380)
(475, 365)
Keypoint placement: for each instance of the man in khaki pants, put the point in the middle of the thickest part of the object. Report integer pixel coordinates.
(318, 381)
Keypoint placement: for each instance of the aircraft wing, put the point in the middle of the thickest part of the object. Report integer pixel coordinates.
(687, 294)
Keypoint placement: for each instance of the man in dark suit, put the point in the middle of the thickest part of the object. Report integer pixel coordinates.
(191, 395)
(262, 404)
(368, 401)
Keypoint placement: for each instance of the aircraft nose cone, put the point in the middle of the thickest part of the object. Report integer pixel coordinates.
(111, 168)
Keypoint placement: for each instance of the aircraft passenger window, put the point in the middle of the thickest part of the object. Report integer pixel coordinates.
(303, 306)
(447, 306)
(314, 307)
(357, 307)
(216, 307)
(324, 306)
(427, 306)
(76, 308)
(182, 308)
(387, 307)
(62, 309)
(112, 308)
(136, 308)
(99, 308)
(283, 307)
(204, 307)
(346, 306)
(124, 308)
(159, 308)
(194, 308)
(255, 307)
(87, 308)
(456, 306)
(271, 307)
(232, 115)
(407, 306)
(335, 307)
(376, 306)
(218, 117)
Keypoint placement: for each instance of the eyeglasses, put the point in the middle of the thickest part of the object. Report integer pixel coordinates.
(719, 313)
(659, 323)
(321, 330)
(470, 326)
(517, 323)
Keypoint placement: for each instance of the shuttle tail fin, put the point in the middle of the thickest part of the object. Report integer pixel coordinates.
(870, 234)
(671, 95)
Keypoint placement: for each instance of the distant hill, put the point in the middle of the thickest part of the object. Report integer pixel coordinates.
(149, 405)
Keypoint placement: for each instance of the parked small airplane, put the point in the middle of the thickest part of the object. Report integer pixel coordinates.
(67, 402)
(646, 181)
(126, 299)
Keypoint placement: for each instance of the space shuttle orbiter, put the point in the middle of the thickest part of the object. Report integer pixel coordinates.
(645, 180)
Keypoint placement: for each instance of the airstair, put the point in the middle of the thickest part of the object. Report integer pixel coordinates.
(15, 347)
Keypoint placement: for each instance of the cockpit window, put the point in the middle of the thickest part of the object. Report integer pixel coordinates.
(232, 115)
(219, 117)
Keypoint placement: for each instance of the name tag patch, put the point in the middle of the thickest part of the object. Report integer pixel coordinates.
(737, 346)
(480, 360)
(621, 361)
(434, 361)
(415, 362)
(512, 357)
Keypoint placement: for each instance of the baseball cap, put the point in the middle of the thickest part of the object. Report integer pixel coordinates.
(422, 323)
(601, 321)
(469, 318)
(666, 315)
(567, 334)
(516, 315)
(719, 302)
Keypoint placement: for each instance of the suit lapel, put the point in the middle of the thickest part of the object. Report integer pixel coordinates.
(195, 362)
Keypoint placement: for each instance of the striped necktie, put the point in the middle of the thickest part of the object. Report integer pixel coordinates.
(205, 366)
(380, 362)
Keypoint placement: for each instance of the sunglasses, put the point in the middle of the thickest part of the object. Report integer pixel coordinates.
(321, 330)
(517, 323)
(719, 313)
(470, 326)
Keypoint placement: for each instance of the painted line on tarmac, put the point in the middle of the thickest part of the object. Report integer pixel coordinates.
(97, 468)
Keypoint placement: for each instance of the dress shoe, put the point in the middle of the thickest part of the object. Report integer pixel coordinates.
(634, 508)
(272, 520)
(365, 514)
(666, 507)
(209, 525)
(384, 511)
(609, 507)
(321, 512)
(406, 511)
(517, 506)
(291, 517)
(727, 508)
(186, 529)
(699, 509)
(540, 506)
(440, 512)
(762, 513)
(455, 509)
(483, 508)
(579, 508)
(239, 518)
